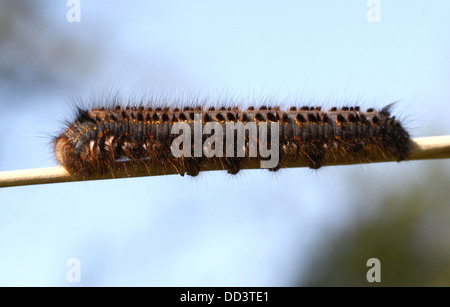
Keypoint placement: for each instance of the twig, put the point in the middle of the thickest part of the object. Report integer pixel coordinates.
(437, 147)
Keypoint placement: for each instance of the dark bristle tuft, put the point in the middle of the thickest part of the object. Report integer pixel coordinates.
(83, 116)
(219, 117)
(300, 118)
(231, 117)
(182, 117)
(340, 118)
(259, 117)
(124, 115)
(351, 118)
(387, 109)
(271, 117)
(312, 118)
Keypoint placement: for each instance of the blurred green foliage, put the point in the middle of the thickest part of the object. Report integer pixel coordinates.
(409, 233)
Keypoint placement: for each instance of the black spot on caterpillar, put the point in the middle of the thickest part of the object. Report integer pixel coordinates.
(100, 137)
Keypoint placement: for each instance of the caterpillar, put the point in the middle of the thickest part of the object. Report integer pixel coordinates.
(100, 137)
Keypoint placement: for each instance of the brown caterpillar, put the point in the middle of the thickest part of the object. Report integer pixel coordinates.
(98, 138)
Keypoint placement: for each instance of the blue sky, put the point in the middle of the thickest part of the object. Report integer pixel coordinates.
(254, 229)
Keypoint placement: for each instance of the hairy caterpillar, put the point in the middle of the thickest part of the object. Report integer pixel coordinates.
(100, 137)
